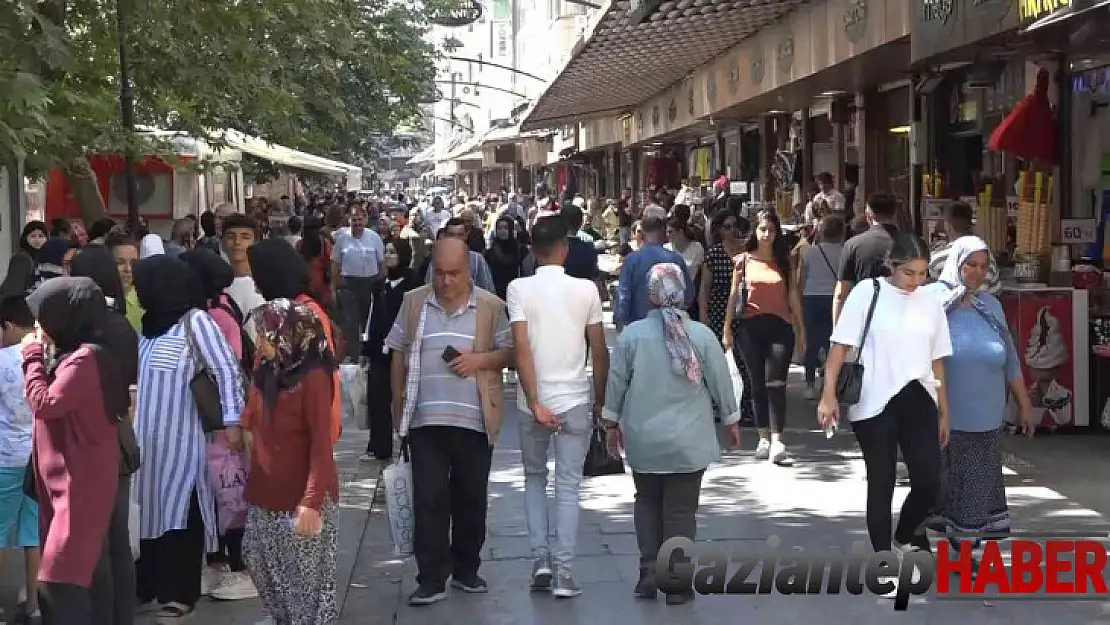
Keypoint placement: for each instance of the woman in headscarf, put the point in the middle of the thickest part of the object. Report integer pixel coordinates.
(177, 504)
(400, 279)
(116, 333)
(151, 245)
(50, 260)
(666, 375)
(315, 249)
(982, 368)
(77, 401)
(280, 273)
(19, 279)
(225, 577)
(292, 486)
(504, 255)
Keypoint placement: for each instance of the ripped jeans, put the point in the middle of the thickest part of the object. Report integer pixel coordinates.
(767, 344)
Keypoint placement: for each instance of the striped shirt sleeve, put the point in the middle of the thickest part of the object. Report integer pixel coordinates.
(221, 362)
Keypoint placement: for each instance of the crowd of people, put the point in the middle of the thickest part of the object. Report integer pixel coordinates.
(197, 377)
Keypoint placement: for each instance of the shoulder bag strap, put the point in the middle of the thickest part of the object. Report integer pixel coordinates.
(827, 262)
(867, 322)
(192, 340)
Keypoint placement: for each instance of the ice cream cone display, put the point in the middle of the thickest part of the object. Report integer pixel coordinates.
(1034, 218)
(991, 222)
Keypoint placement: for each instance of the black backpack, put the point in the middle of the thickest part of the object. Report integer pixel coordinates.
(228, 304)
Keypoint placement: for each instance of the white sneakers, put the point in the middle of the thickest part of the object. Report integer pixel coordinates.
(222, 584)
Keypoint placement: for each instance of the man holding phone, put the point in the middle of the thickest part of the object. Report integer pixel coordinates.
(449, 344)
(553, 318)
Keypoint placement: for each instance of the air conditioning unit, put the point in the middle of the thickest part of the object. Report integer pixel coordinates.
(153, 193)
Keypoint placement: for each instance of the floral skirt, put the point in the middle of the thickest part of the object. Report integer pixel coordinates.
(974, 491)
(295, 575)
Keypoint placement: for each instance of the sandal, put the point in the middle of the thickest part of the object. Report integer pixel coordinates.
(174, 613)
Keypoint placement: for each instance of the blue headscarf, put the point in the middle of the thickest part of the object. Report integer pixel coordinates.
(951, 288)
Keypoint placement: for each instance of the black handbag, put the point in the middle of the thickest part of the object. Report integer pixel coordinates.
(849, 381)
(205, 390)
(598, 460)
(742, 289)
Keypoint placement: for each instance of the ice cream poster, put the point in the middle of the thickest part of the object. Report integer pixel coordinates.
(1041, 325)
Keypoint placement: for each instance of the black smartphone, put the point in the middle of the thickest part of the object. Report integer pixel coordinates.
(450, 354)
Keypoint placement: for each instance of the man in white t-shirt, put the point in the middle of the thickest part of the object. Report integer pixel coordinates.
(436, 216)
(239, 233)
(828, 199)
(554, 317)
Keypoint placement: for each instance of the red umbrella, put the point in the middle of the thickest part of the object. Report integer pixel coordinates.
(1029, 131)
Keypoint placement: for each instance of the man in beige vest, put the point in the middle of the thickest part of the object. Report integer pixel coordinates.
(450, 343)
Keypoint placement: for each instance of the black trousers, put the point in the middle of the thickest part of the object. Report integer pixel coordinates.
(767, 344)
(666, 506)
(354, 297)
(169, 566)
(450, 476)
(379, 389)
(114, 589)
(70, 604)
(909, 422)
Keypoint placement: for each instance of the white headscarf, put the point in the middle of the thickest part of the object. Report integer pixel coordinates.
(950, 276)
(151, 245)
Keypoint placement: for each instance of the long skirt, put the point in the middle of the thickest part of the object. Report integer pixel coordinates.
(974, 492)
(295, 575)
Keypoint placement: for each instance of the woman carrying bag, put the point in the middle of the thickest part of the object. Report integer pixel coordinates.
(895, 389)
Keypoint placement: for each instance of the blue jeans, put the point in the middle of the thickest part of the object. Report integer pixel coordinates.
(570, 445)
(817, 317)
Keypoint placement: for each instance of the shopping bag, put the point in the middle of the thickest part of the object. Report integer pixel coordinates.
(397, 479)
(598, 461)
(352, 388)
(737, 378)
(133, 521)
(227, 472)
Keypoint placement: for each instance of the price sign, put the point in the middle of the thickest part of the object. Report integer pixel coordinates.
(1075, 231)
(1011, 206)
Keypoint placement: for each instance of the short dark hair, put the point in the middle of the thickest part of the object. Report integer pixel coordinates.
(548, 232)
(14, 310)
(240, 221)
(832, 229)
(116, 239)
(960, 214)
(825, 178)
(294, 224)
(450, 223)
(882, 204)
(101, 227)
(653, 224)
(572, 216)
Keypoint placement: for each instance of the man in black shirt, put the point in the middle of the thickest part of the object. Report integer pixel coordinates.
(864, 255)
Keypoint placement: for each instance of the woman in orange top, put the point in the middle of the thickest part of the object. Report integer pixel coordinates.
(315, 250)
(280, 273)
(770, 330)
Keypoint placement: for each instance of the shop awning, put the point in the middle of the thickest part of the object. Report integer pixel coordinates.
(625, 57)
(464, 148)
(1074, 8)
(292, 158)
(511, 134)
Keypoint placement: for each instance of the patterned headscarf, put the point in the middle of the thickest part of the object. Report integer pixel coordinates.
(667, 292)
(299, 344)
(951, 285)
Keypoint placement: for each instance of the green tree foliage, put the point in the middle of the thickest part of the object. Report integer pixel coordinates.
(317, 75)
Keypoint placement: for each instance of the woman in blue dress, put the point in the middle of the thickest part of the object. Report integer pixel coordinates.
(981, 371)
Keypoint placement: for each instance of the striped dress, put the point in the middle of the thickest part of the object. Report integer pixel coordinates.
(168, 427)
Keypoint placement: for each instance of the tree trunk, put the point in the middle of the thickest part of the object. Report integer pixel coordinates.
(83, 185)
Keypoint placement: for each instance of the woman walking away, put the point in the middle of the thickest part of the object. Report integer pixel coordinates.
(176, 499)
(76, 402)
(766, 299)
(817, 279)
(982, 367)
(902, 402)
(667, 374)
(387, 304)
(292, 487)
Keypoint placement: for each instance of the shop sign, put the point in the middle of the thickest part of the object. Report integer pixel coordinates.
(655, 118)
(758, 66)
(672, 111)
(1077, 231)
(734, 76)
(941, 10)
(711, 89)
(462, 14)
(640, 122)
(785, 54)
(690, 101)
(1033, 10)
(855, 20)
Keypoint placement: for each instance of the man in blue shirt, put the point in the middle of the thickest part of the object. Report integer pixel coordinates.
(632, 288)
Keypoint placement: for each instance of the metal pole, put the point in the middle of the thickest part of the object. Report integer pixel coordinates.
(127, 118)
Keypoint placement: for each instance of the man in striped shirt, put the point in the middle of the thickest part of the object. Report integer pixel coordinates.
(958, 220)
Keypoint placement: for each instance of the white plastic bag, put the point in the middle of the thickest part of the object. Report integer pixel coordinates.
(352, 388)
(133, 523)
(397, 479)
(737, 379)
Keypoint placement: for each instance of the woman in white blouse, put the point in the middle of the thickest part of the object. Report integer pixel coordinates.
(902, 404)
(679, 240)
